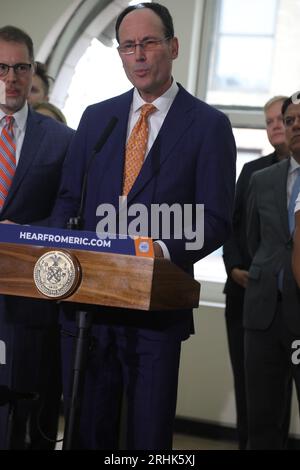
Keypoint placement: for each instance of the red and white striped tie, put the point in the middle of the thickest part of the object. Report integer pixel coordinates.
(7, 158)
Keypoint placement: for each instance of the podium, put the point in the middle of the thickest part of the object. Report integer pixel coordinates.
(98, 278)
(106, 279)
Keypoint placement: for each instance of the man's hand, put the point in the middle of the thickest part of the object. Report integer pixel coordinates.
(6, 221)
(240, 276)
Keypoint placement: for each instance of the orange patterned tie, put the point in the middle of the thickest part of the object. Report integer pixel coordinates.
(136, 148)
(7, 158)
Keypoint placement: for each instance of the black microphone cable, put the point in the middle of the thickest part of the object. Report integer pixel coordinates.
(76, 223)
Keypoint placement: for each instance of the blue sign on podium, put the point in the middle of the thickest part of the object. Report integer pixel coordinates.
(75, 240)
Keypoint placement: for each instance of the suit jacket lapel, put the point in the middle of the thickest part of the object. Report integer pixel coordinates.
(280, 193)
(29, 153)
(171, 131)
(110, 164)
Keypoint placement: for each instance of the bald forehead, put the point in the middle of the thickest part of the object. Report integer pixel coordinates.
(141, 21)
(13, 51)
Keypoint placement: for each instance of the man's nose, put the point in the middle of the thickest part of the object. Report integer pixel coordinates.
(278, 123)
(139, 52)
(11, 75)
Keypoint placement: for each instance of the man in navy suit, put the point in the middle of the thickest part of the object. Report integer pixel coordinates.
(29, 328)
(190, 159)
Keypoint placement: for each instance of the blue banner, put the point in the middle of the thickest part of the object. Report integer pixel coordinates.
(67, 239)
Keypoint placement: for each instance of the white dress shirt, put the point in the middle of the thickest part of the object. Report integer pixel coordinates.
(155, 121)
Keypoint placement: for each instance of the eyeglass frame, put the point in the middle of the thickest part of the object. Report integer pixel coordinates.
(142, 45)
(15, 67)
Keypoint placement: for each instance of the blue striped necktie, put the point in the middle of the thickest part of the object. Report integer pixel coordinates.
(7, 158)
(291, 207)
(291, 216)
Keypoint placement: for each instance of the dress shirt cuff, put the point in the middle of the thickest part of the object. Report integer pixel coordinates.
(164, 248)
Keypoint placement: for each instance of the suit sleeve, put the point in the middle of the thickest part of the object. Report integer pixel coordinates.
(253, 222)
(232, 255)
(214, 188)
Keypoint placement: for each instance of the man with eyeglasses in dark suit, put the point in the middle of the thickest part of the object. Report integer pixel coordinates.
(29, 328)
(189, 159)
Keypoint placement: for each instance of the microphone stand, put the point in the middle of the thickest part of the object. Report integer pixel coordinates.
(84, 322)
(82, 345)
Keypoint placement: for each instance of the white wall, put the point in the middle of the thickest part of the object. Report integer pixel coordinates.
(206, 389)
(183, 17)
(36, 17)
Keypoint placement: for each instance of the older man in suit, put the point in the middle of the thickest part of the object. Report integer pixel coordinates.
(189, 159)
(272, 300)
(32, 149)
(237, 261)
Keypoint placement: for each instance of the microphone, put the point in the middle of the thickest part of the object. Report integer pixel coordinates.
(76, 223)
(11, 396)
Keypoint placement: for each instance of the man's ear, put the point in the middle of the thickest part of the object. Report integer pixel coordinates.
(175, 48)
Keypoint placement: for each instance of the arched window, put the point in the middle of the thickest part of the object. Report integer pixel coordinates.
(85, 61)
(98, 75)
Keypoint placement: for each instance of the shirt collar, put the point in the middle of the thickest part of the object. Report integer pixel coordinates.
(162, 103)
(20, 116)
(293, 165)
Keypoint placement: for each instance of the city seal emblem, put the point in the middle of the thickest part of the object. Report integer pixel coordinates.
(56, 274)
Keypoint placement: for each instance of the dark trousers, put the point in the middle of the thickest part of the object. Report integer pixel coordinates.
(269, 369)
(147, 370)
(235, 336)
(33, 366)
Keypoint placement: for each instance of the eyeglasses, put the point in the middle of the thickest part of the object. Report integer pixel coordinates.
(147, 45)
(289, 121)
(19, 69)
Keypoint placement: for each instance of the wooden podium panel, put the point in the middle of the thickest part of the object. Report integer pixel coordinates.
(106, 279)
